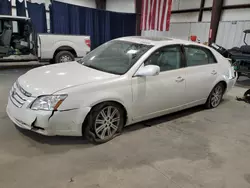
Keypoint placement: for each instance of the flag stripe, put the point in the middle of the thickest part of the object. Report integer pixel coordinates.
(153, 17)
(146, 15)
(165, 17)
(150, 3)
(143, 15)
(158, 14)
(168, 14)
(163, 14)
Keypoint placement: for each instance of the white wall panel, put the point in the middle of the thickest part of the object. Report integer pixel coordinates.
(206, 16)
(185, 17)
(189, 4)
(235, 2)
(180, 30)
(177, 30)
(231, 34)
(201, 30)
(175, 4)
(121, 5)
(208, 3)
(235, 14)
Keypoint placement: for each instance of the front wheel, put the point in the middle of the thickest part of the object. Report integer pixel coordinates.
(215, 96)
(105, 121)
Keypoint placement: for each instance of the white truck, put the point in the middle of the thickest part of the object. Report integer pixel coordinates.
(20, 42)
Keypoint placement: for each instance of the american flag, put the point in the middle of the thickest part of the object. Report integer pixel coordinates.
(156, 15)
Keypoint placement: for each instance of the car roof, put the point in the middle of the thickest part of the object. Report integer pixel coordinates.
(14, 17)
(158, 41)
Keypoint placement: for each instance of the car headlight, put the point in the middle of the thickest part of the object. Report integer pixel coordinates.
(48, 102)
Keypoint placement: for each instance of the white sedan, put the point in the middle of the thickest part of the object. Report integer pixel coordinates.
(122, 82)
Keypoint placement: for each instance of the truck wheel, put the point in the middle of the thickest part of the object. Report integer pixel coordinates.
(64, 56)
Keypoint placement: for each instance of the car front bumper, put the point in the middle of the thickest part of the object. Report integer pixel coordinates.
(64, 123)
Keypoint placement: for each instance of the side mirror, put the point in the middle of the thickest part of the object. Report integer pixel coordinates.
(149, 70)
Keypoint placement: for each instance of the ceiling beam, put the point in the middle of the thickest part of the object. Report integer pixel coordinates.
(101, 4)
(201, 10)
(215, 19)
(226, 7)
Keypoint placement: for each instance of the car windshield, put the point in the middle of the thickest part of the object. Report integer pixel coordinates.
(115, 57)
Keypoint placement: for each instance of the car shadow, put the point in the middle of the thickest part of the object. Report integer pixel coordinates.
(67, 140)
(243, 82)
(52, 140)
(164, 119)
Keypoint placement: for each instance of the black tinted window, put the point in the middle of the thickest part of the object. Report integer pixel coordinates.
(167, 58)
(198, 56)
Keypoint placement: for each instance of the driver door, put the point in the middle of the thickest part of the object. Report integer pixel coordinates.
(157, 95)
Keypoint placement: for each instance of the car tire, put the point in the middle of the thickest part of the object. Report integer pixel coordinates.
(64, 56)
(104, 122)
(215, 96)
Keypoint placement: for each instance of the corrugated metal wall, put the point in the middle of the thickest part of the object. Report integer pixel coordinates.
(184, 31)
(230, 34)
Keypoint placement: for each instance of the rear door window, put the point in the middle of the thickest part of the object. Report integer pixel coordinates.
(196, 56)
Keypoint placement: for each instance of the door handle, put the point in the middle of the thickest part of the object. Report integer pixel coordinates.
(179, 79)
(213, 72)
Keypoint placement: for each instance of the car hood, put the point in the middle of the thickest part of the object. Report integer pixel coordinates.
(52, 78)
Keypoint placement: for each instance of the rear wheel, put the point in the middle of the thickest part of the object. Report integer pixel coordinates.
(215, 96)
(64, 56)
(105, 121)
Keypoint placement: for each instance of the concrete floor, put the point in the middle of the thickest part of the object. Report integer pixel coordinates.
(194, 148)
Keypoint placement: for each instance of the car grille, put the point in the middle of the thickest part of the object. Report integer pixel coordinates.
(18, 95)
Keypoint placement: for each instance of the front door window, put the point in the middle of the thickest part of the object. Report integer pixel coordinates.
(167, 58)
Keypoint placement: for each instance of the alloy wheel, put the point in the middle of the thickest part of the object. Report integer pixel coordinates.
(216, 96)
(107, 122)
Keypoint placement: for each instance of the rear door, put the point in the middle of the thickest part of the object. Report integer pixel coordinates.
(201, 73)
